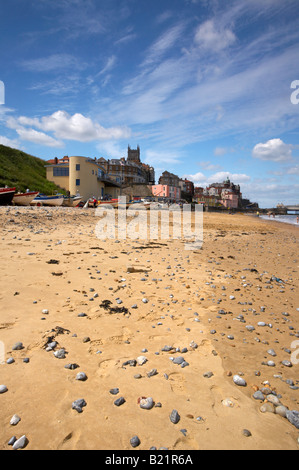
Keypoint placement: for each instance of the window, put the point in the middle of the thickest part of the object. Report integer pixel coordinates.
(60, 171)
(78, 167)
(77, 182)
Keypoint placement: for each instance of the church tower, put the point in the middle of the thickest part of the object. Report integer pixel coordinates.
(134, 155)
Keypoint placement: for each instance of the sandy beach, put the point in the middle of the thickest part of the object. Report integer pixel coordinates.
(147, 319)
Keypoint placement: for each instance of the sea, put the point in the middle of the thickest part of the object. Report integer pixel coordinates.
(286, 219)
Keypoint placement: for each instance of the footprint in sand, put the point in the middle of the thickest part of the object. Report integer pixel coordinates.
(177, 383)
(70, 441)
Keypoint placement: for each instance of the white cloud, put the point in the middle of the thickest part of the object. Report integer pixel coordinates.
(38, 137)
(64, 127)
(273, 150)
(293, 171)
(211, 37)
(108, 66)
(199, 179)
(79, 127)
(9, 142)
(53, 62)
(203, 180)
(167, 40)
(236, 178)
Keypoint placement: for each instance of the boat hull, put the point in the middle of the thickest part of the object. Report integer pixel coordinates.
(24, 199)
(6, 196)
(48, 201)
(72, 201)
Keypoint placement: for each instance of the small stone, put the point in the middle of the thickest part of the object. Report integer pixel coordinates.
(246, 433)
(120, 401)
(141, 360)
(174, 417)
(178, 360)
(239, 381)
(228, 403)
(18, 346)
(152, 372)
(258, 395)
(81, 376)
(273, 399)
(146, 403)
(293, 417)
(267, 408)
(208, 375)
(60, 354)
(71, 366)
(12, 440)
(79, 404)
(250, 328)
(15, 420)
(135, 441)
(281, 411)
(272, 352)
(20, 443)
(114, 391)
(3, 389)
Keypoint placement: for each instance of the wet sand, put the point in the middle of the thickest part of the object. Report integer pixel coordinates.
(51, 260)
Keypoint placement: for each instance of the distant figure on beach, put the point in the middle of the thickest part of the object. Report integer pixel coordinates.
(297, 219)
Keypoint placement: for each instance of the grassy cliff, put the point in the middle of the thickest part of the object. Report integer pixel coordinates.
(22, 171)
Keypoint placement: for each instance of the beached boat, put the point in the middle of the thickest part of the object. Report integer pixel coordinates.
(24, 199)
(42, 200)
(126, 204)
(6, 196)
(71, 201)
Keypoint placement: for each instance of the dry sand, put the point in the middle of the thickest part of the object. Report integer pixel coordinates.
(185, 293)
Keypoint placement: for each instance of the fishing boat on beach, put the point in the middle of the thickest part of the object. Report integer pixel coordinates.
(43, 200)
(6, 196)
(71, 201)
(24, 199)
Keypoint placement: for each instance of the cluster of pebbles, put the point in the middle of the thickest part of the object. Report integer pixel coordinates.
(242, 318)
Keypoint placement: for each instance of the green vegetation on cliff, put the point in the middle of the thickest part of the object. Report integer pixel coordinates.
(21, 171)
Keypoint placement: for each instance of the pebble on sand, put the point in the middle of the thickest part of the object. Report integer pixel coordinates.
(239, 381)
(20, 443)
(174, 417)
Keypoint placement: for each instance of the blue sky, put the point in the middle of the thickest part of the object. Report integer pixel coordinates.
(202, 86)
